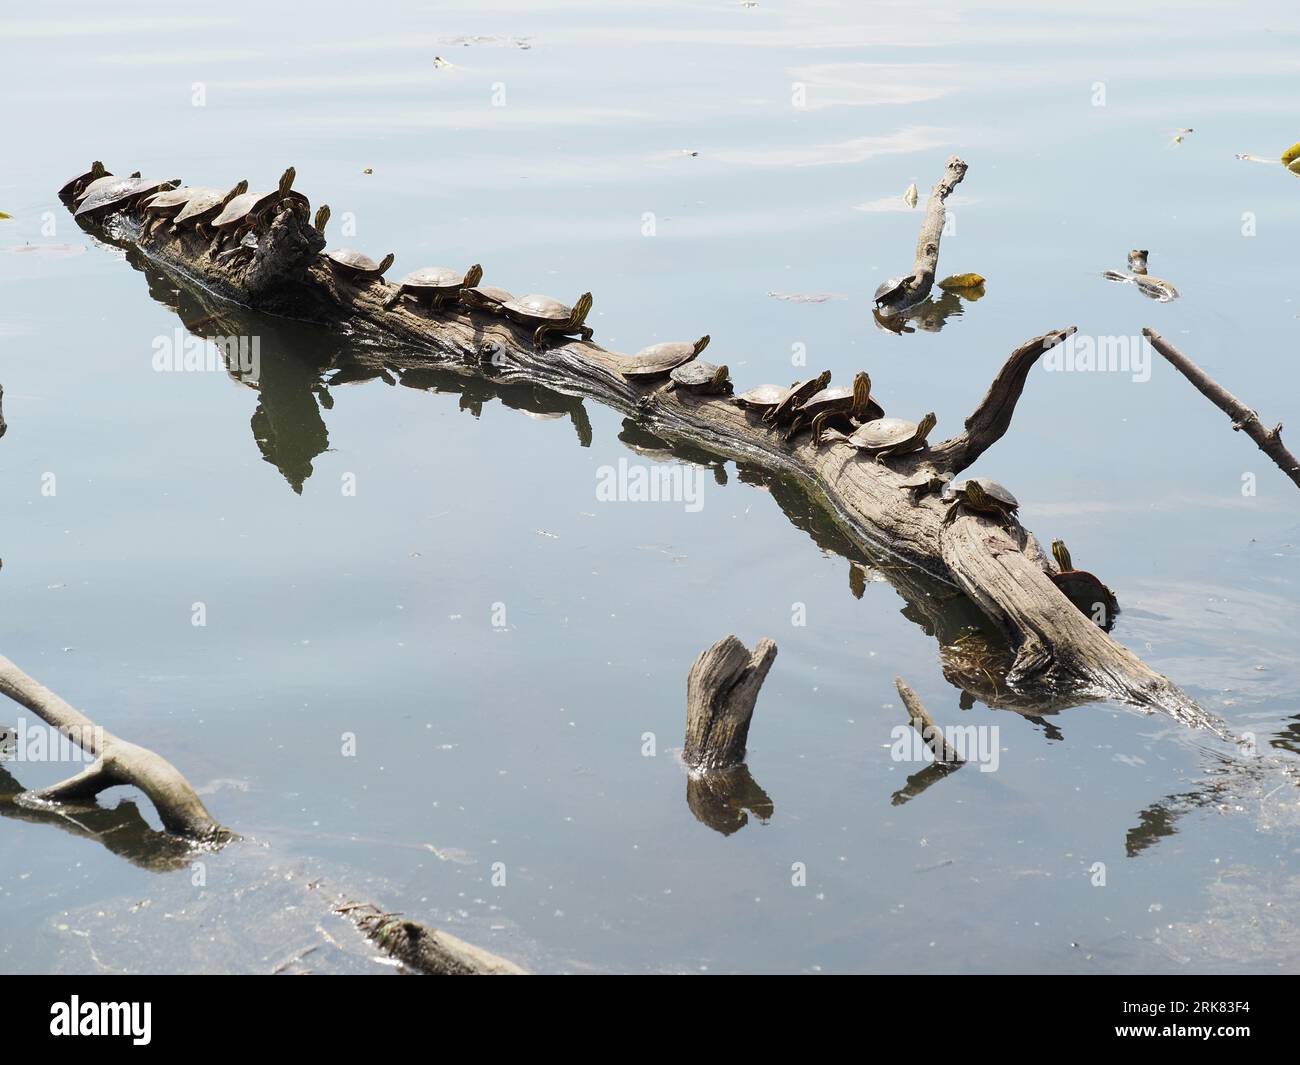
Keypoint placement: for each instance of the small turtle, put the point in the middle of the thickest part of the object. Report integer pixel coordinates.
(119, 194)
(982, 496)
(435, 285)
(484, 298)
(322, 218)
(1083, 589)
(767, 399)
(659, 360)
(170, 202)
(927, 483)
(1156, 288)
(202, 208)
(893, 290)
(356, 266)
(98, 184)
(796, 395)
(72, 190)
(246, 212)
(548, 316)
(891, 436)
(837, 405)
(700, 376)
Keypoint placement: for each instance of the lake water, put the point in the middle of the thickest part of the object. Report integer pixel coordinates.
(433, 574)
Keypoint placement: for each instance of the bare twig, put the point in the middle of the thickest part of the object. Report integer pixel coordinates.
(1243, 418)
(916, 287)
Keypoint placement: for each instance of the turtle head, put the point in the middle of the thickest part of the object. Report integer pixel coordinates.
(823, 380)
(322, 216)
(286, 181)
(97, 170)
(386, 262)
(1137, 260)
(700, 345)
(473, 276)
(924, 426)
(1062, 555)
(720, 377)
(975, 494)
(580, 310)
(135, 173)
(237, 190)
(861, 392)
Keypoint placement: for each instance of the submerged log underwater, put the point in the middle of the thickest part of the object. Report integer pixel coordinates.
(1056, 656)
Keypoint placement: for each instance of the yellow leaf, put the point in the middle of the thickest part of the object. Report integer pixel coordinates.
(1291, 155)
(3, 215)
(910, 196)
(960, 281)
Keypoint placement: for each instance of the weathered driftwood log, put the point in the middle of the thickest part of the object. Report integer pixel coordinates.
(1061, 656)
(721, 690)
(917, 285)
(426, 950)
(116, 762)
(946, 760)
(1243, 418)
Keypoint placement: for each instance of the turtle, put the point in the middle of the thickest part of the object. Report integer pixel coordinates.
(72, 189)
(548, 316)
(170, 202)
(893, 290)
(853, 405)
(1156, 288)
(1083, 589)
(322, 218)
(885, 437)
(700, 376)
(356, 266)
(243, 214)
(96, 185)
(659, 360)
(119, 194)
(435, 285)
(768, 399)
(201, 208)
(982, 496)
(926, 483)
(795, 397)
(484, 298)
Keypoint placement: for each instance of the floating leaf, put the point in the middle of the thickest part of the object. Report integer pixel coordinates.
(961, 281)
(3, 215)
(910, 196)
(367, 170)
(1291, 155)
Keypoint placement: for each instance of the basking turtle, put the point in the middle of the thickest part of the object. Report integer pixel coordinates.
(843, 406)
(170, 202)
(119, 194)
(893, 290)
(796, 395)
(1156, 288)
(72, 190)
(891, 436)
(1083, 589)
(203, 207)
(658, 360)
(484, 298)
(246, 212)
(767, 399)
(982, 496)
(548, 316)
(97, 184)
(700, 376)
(926, 483)
(435, 285)
(356, 266)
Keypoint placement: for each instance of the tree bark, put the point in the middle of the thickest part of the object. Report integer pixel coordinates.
(1061, 658)
(430, 951)
(1244, 419)
(721, 690)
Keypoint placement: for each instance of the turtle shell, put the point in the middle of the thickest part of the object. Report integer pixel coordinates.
(883, 433)
(242, 206)
(659, 359)
(65, 193)
(117, 193)
(534, 308)
(353, 263)
(991, 488)
(697, 374)
(485, 296)
(176, 198)
(890, 290)
(762, 396)
(433, 278)
(203, 201)
(97, 185)
(1087, 592)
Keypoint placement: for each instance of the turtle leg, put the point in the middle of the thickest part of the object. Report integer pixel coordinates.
(817, 425)
(540, 334)
(587, 332)
(393, 300)
(795, 426)
(882, 455)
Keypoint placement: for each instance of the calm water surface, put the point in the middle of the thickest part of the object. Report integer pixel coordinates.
(372, 614)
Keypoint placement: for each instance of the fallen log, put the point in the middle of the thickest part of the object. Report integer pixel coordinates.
(430, 951)
(1244, 419)
(1061, 657)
